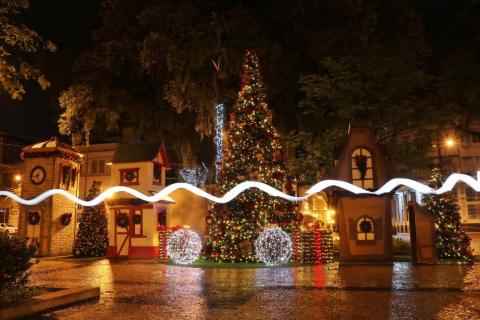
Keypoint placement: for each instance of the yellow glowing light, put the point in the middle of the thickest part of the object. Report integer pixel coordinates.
(450, 142)
(18, 177)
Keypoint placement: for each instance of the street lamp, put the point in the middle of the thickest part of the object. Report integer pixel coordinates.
(450, 142)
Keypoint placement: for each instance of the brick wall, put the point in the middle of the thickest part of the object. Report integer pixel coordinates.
(55, 238)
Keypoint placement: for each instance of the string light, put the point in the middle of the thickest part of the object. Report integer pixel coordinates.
(219, 108)
(184, 246)
(195, 176)
(273, 246)
(391, 185)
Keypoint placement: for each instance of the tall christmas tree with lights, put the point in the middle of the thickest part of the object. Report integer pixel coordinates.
(252, 152)
(452, 241)
(92, 236)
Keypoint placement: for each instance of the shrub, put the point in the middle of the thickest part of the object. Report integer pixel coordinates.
(401, 247)
(15, 260)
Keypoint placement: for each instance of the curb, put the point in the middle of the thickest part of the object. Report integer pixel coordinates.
(48, 301)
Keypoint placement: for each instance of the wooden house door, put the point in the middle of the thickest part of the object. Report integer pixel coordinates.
(122, 231)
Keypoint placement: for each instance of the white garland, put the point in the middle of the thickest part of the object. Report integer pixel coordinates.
(184, 246)
(273, 246)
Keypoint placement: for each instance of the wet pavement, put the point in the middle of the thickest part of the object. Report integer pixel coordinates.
(144, 289)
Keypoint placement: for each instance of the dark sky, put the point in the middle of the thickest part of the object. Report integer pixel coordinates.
(68, 23)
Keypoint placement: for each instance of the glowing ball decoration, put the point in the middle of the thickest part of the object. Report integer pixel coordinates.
(273, 246)
(184, 246)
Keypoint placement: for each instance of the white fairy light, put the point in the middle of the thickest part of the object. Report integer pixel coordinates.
(195, 176)
(219, 108)
(184, 246)
(273, 246)
(162, 195)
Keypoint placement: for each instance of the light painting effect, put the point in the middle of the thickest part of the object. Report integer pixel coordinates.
(388, 187)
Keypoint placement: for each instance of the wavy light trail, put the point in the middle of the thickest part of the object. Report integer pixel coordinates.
(388, 187)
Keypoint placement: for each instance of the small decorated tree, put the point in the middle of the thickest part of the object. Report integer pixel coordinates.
(452, 241)
(253, 153)
(92, 236)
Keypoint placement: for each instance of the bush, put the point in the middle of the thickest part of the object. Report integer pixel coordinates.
(401, 247)
(15, 260)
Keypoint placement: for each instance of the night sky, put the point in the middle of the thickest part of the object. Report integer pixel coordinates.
(69, 25)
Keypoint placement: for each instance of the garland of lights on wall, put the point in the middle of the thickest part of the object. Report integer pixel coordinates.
(388, 187)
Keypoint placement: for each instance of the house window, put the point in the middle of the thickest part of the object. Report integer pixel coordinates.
(365, 229)
(137, 219)
(101, 166)
(4, 215)
(129, 177)
(473, 211)
(475, 138)
(162, 217)
(473, 203)
(472, 195)
(97, 167)
(93, 166)
(362, 168)
(157, 173)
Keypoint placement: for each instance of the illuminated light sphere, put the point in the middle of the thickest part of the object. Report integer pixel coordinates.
(184, 246)
(273, 246)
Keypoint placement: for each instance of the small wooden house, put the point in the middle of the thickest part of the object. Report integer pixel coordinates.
(133, 223)
(364, 221)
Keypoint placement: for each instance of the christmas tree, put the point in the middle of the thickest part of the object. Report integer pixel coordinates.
(253, 152)
(452, 242)
(92, 236)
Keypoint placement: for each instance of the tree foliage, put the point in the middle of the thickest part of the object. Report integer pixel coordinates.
(15, 260)
(17, 41)
(254, 152)
(452, 243)
(160, 67)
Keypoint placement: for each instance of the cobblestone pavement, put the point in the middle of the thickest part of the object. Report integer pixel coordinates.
(144, 289)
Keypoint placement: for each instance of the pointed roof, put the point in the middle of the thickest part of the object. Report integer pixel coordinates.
(360, 135)
(140, 152)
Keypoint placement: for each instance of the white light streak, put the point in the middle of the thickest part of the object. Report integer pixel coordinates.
(388, 187)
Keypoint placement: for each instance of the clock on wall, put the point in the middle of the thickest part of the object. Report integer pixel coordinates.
(37, 175)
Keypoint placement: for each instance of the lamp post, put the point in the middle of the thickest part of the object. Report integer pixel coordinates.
(452, 143)
(449, 143)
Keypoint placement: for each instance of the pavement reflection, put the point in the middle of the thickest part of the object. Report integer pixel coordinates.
(144, 289)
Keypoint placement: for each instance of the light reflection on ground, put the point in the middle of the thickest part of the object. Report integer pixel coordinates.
(144, 289)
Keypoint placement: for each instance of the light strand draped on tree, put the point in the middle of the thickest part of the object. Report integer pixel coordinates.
(252, 152)
(452, 242)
